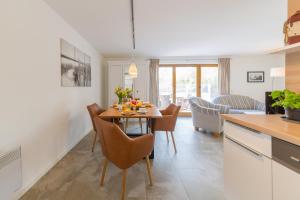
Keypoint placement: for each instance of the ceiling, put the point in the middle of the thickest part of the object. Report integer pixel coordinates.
(177, 27)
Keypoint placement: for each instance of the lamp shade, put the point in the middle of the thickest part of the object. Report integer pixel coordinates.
(133, 70)
(277, 72)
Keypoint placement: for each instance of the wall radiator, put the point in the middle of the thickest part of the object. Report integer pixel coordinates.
(10, 173)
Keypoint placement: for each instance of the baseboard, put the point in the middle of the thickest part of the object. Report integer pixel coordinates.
(18, 194)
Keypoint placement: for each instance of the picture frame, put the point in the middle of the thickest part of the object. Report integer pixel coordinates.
(255, 76)
(75, 66)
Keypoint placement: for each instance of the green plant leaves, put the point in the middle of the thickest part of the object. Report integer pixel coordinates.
(286, 99)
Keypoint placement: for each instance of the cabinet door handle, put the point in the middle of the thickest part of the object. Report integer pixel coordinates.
(295, 159)
(244, 146)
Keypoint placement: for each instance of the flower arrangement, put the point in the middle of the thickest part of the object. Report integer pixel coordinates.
(123, 93)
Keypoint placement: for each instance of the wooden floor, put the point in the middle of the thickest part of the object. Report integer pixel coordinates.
(195, 172)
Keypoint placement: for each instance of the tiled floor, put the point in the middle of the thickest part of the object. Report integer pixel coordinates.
(195, 172)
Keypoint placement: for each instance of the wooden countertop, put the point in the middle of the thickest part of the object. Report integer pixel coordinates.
(272, 125)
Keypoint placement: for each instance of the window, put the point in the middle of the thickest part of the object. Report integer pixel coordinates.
(209, 83)
(177, 83)
(186, 78)
(165, 86)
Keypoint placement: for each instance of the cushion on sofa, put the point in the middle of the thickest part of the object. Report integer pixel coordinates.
(240, 103)
(249, 112)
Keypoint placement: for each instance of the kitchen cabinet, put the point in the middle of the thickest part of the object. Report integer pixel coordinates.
(285, 170)
(261, 158)
(247, 170)
(286, 183)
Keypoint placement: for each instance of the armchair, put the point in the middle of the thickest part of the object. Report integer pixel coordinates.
(168, 121)
(121, 150)
(95, 110)
(207, 115)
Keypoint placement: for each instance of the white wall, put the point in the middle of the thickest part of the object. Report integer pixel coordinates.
(240, 65)
(47, 120)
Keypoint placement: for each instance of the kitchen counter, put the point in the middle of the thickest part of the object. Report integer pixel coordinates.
(271, 125)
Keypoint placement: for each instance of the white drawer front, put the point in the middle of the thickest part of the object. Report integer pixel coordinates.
(257, 141)
(286, 183)
(247, 176)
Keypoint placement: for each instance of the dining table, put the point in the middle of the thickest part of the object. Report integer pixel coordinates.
(151, 115)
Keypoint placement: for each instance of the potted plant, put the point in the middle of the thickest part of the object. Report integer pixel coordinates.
(290, 101)
(123, 93)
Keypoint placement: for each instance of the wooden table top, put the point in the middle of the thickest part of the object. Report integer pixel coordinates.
(271, 125)
(152, 112)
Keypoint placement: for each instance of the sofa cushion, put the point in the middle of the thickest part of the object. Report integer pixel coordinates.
(249, 112)
(235, 111)
(235, 101)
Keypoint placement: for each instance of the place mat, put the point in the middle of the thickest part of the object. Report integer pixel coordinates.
(128, 113)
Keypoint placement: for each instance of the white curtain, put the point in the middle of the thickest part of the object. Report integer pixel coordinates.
(154, 81)
(224, 76)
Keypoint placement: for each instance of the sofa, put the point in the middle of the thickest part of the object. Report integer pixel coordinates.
(240, 104)
(207, 115)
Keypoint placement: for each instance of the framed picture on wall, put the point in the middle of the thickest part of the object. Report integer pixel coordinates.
(256, 77)
(75, 66)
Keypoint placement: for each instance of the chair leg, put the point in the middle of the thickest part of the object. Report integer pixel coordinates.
(149, 170)
(147, 126)
(173, 142)
(167, 136)
(103, 172)
(124, 184)
(141, 125)
(94, 142)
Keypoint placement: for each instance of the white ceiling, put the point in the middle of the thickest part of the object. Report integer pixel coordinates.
(177, 27)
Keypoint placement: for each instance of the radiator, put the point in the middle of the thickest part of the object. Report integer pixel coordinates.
(10, 173)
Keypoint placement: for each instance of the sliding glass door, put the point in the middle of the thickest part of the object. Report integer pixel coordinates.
(186, 87)
(209, 83)
(177, 83)
(165, 86)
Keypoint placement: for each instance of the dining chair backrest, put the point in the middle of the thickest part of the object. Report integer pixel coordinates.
(113, 141)
(173, 109)
(170, 114)
(94, 110)
(118, 148)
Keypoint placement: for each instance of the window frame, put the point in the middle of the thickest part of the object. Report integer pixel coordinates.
(198, 76)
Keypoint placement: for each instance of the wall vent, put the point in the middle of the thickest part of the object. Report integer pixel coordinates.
(10, 172)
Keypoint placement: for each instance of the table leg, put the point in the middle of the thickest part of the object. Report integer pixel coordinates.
(147, 125)
(152, 123)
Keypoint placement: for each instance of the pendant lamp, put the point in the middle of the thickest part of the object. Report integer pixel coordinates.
(133, 70)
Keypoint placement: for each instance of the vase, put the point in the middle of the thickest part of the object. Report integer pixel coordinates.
(124, 100)
(120, 100)
(292, 114)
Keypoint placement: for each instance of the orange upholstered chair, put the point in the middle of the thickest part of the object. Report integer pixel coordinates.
(121, 150)
(168, 121)
(95, 110)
